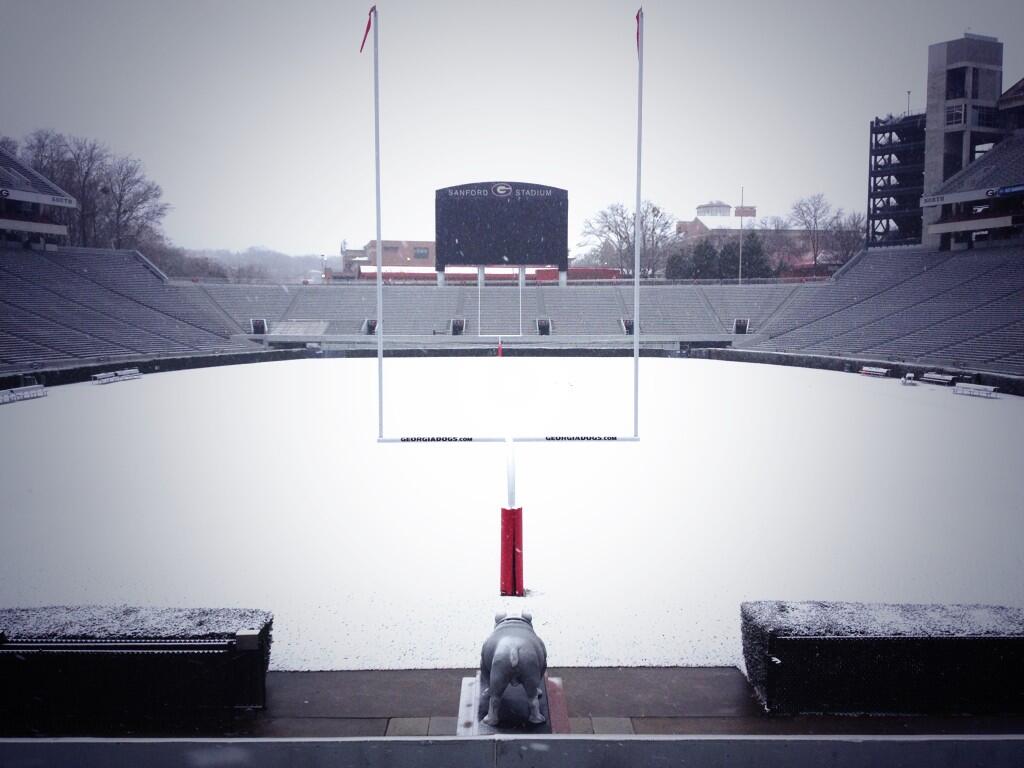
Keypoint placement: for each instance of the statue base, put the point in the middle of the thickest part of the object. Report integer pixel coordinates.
(514, 711)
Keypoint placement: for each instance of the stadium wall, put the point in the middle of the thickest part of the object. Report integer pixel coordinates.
(75, 373)
(1007, 384)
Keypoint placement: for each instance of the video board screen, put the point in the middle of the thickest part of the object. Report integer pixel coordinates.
(503, 223)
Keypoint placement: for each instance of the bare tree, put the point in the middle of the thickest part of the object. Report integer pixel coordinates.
(780, 246)
(132, 209)
(9, 145)
(812, 214)
(88, 159)
(846, 235)
(610, 233)
(46, 152)
(118, 206)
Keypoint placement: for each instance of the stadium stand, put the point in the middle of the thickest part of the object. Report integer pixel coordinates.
(962, 309)
(67, 305)
(242, 303)
(499, 311)
(581, 310)
(756, 303)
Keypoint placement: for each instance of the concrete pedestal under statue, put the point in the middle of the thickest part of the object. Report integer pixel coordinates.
(512, 692)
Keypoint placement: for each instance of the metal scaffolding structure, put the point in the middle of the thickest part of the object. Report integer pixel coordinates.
(895, 180)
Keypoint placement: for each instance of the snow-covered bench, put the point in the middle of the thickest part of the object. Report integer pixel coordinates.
(65, 663)
(934, 377)
(874, 370)
(30, 392)
(826, 657)
(109, 377)
(975, 390)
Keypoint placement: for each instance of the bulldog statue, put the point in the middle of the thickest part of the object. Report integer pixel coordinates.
(512, 655)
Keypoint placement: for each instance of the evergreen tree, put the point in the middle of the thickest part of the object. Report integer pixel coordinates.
(755, 260)
(679, 266)
(705, 261)
(729, 258)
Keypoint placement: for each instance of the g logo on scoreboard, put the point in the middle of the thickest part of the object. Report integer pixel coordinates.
(502, 189)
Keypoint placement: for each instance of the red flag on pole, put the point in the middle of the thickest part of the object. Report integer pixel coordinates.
(369, 22)
(639, 13)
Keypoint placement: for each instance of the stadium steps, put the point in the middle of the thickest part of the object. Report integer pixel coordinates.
(287, 312)
(232, 323)
(345, 307)
(872, 277)
(130, 275)
(460, 302)
(244, 301)
(954, 287)
(43, 331)
(417, 310)
(14, 349)
(542, 307)
(494, 311)
(781, 309)
(63, 302)
(580, 310)
(1004, 328)
(755, 302)
(1012, 364)
(668, 310)
(709, 308)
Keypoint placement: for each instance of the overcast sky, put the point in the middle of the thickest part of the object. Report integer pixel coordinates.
(257, 117)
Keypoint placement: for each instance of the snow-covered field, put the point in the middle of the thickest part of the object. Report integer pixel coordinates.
(263, 486)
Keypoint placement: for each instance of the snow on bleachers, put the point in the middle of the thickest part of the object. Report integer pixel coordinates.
(62, 304)
(957, 308)
(753, 302)
(125, 273)
(581, 310)
(244, 302)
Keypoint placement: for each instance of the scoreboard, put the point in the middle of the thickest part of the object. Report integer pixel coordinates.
(503, 223)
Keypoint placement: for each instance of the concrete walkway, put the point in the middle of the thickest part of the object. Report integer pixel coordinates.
(625, 700)
(609, 701)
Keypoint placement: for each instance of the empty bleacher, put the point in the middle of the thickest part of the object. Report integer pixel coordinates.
(130, 275)
(963, 309)
(582, 310)
(243, 302)
(756, 303)
(61, 306)
(495, 311)
(673, 310)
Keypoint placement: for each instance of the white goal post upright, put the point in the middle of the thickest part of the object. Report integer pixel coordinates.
(637, 232)
(379, 329)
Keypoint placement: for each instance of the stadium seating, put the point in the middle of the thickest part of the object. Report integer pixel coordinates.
(243, 302)
(757, 303)
(961, 309)
(75, 304)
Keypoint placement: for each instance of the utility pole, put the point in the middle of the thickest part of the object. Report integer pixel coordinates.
(739, 279)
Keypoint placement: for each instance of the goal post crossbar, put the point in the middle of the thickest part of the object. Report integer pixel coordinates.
(520, 439)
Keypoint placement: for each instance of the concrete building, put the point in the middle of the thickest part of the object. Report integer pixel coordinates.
(982, 202)
(394, 253)
(31, 206)
(919, 188)
(965, 81)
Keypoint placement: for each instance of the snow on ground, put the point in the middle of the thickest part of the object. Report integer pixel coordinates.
(831, 619)
(262, 486)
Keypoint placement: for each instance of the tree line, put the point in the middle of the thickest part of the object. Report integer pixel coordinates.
(119, 206)
(771, 246)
